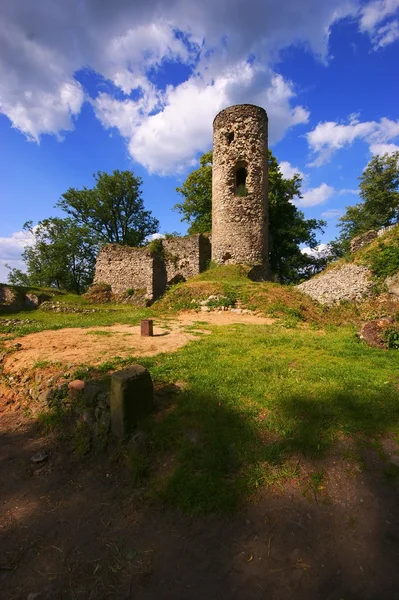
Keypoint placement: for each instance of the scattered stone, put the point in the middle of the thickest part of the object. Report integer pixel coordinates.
(59, 307)
(348, 282)
(392, 284)
(77, 385)
(39, 456)
(205, 309)
(138, 443)
(92, 390)
(362, 240)
(131, 398)
(12, 323)
(87, 417)
(31, 301)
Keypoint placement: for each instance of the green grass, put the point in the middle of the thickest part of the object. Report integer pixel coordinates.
(259, 397)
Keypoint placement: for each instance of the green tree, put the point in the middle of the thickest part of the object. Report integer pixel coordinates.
(62, 255)
(196, 207)
(288, 227)
(113, 210)
(379, 191)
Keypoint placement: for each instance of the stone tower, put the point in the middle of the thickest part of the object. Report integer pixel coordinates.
(239, 187)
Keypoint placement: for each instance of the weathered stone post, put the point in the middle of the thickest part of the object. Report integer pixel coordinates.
(131, 399)
(147, 327)
(239, 186)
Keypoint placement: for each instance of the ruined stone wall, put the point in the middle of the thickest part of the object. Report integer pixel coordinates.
(185, 256)
(126, 268)
(177, 259)
(364, 239)
(240, 223)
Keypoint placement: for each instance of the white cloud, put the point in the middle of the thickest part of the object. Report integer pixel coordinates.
(155, 236)
(229, 48)
(333, 213)
(382, 149)
(376, 19)
(321, 251)
(11, 249)
(328, 137)
(348, 191)
(288, 171)
(315, 196)
(169, 140)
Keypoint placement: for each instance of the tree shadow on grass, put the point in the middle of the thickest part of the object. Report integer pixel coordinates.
(82, 530)
(219, 452)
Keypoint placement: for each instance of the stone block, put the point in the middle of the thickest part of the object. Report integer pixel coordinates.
(147, 327)
(132, 398)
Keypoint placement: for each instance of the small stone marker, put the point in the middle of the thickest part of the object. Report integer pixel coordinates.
(147, 327)
(131, 399)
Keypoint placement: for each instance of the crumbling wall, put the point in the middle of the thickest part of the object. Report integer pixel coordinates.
(124, 268)
(176, 259)
(363, 240)
(185, 256)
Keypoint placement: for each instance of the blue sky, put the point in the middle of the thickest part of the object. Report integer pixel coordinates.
(90, 85)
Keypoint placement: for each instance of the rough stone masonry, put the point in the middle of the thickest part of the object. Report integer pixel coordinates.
(239, 209)
(239, 186)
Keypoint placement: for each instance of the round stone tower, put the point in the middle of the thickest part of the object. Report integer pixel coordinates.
(239, 186)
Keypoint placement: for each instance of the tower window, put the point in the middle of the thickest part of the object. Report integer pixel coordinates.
(241, 182)
(230, 137)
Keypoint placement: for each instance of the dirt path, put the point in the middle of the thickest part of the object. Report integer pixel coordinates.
(95, 345)
(79, 530)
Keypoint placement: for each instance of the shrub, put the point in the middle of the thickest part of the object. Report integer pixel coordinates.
(391, 337)
(384, 260)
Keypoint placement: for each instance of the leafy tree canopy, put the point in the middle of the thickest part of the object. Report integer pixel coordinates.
(288, 227)
(379, 191)
(62, 255)
(113, 210)
(196, 207)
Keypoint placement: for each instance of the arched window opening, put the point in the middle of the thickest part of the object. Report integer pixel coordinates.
(241, 182)
(230, 137)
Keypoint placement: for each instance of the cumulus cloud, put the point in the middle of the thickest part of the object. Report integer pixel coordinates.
(382, 149)
(288, 171)
(229, 49)
(328, 137)
(315, 196)
(169, 140)
(377, 18)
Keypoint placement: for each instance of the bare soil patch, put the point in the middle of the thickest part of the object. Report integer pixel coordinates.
(95, 345)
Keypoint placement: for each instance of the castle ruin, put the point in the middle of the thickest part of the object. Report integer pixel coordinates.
(239, 215)
(239, 186)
